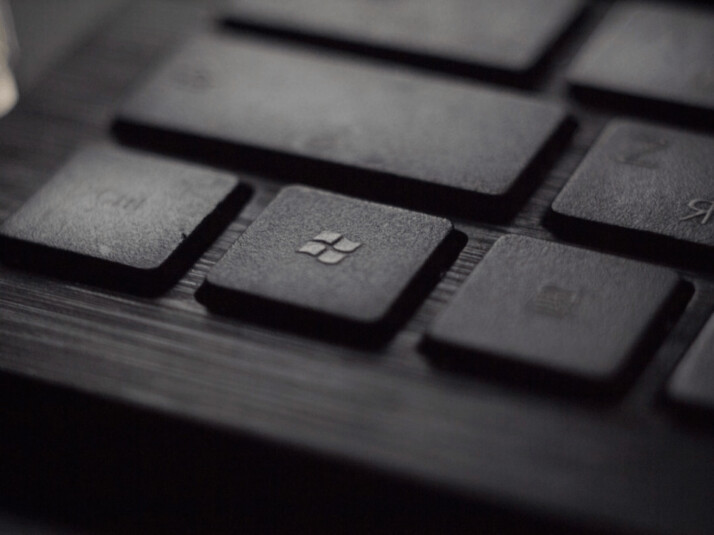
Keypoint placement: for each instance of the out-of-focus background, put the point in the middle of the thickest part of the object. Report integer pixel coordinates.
(49, 29)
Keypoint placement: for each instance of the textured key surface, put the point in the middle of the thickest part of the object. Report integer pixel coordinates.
(645, 178)
(659, 53)
(693, 381)
(555, 307)
(315, 252)
(510, 35)
(453, 135)
(111, 209)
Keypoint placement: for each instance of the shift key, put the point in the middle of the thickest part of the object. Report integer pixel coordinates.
(411, 131)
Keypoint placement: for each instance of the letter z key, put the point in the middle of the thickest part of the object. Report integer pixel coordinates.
(648, 183)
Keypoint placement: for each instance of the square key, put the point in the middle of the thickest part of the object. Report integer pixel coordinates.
(563, 310)
(121, 219)
(692, 385)
(655, 53)
(647, 181)
(314, 257)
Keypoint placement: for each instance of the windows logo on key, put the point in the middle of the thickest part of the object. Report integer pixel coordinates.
(329, 247)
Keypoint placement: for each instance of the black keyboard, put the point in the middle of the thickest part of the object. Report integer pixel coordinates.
(361, 266)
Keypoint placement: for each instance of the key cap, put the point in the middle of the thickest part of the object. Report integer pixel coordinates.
(558, 310)
(650, 184)
(120, 219)
(692, 384)
(330, 265)
(411, 130)
(512, 35)
(658, 54)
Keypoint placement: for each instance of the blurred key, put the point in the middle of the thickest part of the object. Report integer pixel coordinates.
(692, 384)
(651, 184)
(655, 53)
(8, 54)
(414, 132)
(120, 219)
(555, 309)
(506, 35)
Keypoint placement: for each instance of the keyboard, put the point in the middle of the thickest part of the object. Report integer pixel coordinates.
(354, 266)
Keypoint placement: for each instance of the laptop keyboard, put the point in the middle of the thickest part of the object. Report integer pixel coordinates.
(478, 233)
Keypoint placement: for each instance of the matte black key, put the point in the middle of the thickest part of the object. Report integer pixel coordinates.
(461, 138)
(329, 263)
(692, 384)
(555, 308)
(511, 35)
(121, 219)
(658, 53)
(647, 182)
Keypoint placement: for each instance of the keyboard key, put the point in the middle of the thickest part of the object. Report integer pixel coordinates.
(412, 130)
(512, 35)
(120, 219)
(692, 384)
(662, 54)
(565, 311)
(330, 264)
(647, 181)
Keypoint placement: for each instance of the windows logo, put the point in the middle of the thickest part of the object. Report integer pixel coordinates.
(329, 247)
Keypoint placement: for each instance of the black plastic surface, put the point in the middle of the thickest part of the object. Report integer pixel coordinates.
(693, 382)
(511, 35)
(137, 415)
(121, 219)
(662, 55)
(650, 184)
(317, 255)
(409, 129)
(571, 311)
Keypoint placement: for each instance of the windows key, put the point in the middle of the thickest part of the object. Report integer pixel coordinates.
(331, 266)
